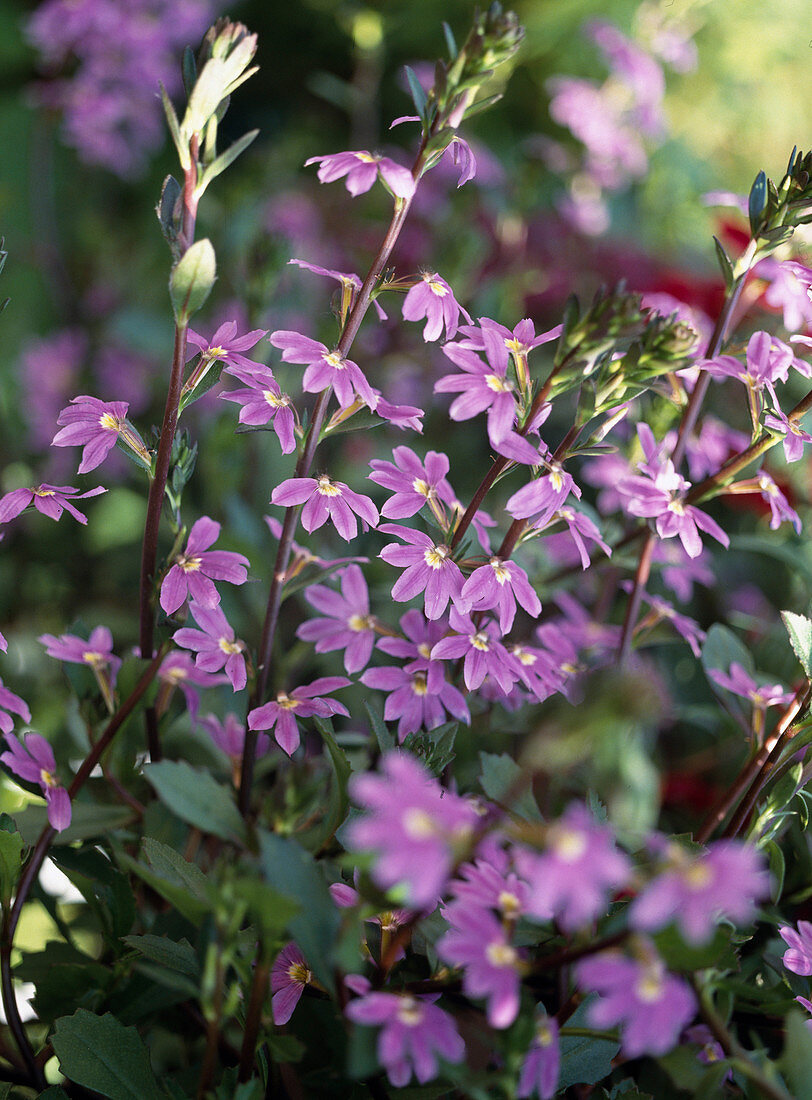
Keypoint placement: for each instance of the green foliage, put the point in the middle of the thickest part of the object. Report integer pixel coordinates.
(98, 1052)
(192, 280)
(585, 1059)
(197, 798)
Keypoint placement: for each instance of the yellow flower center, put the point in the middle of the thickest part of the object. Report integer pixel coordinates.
(497, 384)
(424, 649)
(501, 954)
(216, 353)
(568, 844)
(94, 659)
(48, 778)
(366, 158)
(110, 423)
(298, 972)
(418, 824)
(544, 1035)
(189, 565)
(508, 903)
(435, 287)
(229, 647)
(359, 622)
(499, 571)
(410, 1012)
(435, 556)
(422, 487)
(327, 488)
(676, 507)
(43, 492)
(523, 656)
(274, 401)
(650, 987)
(557, 478)
(419, 685)
(335, 360)
(697, 875)
(481, 641)
(284, 700)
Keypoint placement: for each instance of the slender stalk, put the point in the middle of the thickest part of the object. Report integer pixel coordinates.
(303, 466)
(752, 768)
(32, 868)
(212, 1036)
(253, 1016)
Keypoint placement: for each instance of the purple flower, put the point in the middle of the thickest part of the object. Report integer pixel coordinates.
(350, 285)
(289, 976)
(695, 889)
(543, 497)
(484, 654)
(264, 403)
(214, 644)
(362, 169)
(414, 483)
(35, 763)
(96, 425)
(498, 584)
(417, 696)
(482, 385)
(492, 966)
(193, 572)
(325, 499)
(302, 702)
(227, 347)
(794, 434)
(659, 496)
(414, 1031)
(178, 671)
(740, 682)
(650, 1006)
(539, 1073)
(11, 702)
(711, 1051)
(798, 957)
(433, 299)
(429, 569)
(489, 883)
(229, 736)
(325, 368)
(780, 507)
(581, 527)
(768, 362)
(662, 610)
(579, 867)
(49, 500)
(348, 625)
(414, 826)
(789, 290)
(97, 652)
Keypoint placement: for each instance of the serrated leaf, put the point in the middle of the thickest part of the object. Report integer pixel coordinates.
(197, 798)
(192, 278)
(799, 629)
(100, 1053)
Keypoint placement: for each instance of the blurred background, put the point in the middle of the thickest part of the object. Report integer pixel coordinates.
(616, 119)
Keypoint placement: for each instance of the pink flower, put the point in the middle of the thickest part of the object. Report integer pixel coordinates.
(214, 643)
(178, 671)
(11, 702)
(35, 763)
(325, 499)
(433, 299)
(226, 347)
(740, 682)
(484, 654)
(542, 498)
(413, 825)
(350, 285)
(479, 944)
(303, 702)
(794, 434)
(695, 889)
(429, 569)
(650, 1005)
(414, 1031)
(413, 482)
(193, 572)
(348, 625)
(229, 736)
(49, 500)
(417, 696)
(96, 425)
(362, 169)
(579, 867)
(496, 585)
(798, 957)
(289, 976)
(539, 1073)
(325, 368)
(96, 652)
(264, 403)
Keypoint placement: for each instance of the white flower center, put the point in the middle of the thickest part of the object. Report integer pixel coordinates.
(435, 556)
(327, 488)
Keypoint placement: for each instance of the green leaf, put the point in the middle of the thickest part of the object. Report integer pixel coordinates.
(292, 872)
(724, 263)
(174, 129)
(450, 41)
(799, 629)
(219, 164)
(757, 202)
(418, 95)
(285, 1048)
(100, 1053)
(584, 1059)
(53, 1093)
(105, 888)
(501, 777)
(778, 869)
(87, 821)
(178, 956)
(181, 883)
(11, 854)
(191, 280)
(796, 1060)
(338, 802)
(197, 798)
(679, 955)
(386, 741)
